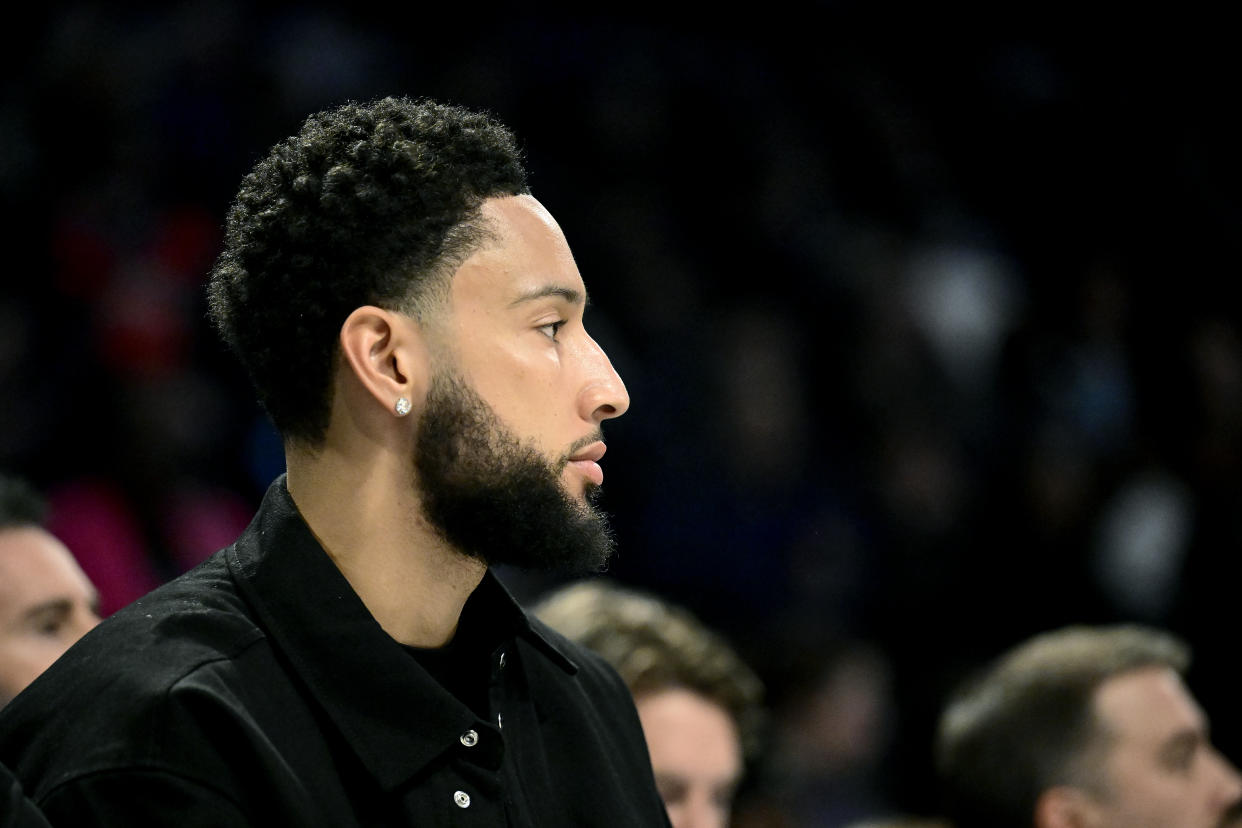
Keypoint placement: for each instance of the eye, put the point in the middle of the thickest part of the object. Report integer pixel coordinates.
(551, 329)
(50, 626)
(672, 790)
(1180, 755)
(49, 620)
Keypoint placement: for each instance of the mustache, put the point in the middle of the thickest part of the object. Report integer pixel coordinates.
(595, 437)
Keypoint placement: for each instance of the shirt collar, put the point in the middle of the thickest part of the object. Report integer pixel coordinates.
(362, 677)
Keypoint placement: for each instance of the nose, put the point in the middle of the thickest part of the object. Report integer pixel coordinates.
(1229, 783)
(603, 393)
(84, 620)
(90, 622)
(701, 812)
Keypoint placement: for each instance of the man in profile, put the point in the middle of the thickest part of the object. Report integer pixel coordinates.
(698, 702)
(46, 601)
(1084, 727)
(412, 319)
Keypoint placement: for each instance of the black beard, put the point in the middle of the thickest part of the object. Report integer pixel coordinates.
(496, 499)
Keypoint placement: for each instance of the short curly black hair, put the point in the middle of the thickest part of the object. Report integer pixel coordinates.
(370, 203)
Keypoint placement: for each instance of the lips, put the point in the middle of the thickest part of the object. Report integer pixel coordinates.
(586, 462)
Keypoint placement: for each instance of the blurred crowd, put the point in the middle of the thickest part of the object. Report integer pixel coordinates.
(929, 340)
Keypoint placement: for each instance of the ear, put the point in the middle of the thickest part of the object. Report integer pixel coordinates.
(387, 353)
(1064, 806)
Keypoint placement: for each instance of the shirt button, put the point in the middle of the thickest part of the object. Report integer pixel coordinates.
(500, 722)
(502, 659)
(470, 738)
(462, 799)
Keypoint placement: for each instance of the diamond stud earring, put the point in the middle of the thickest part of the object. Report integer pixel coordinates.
(402, 407)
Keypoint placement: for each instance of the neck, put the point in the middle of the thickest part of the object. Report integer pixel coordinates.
(365, 513)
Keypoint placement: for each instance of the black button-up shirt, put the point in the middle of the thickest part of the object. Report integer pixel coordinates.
(258, 690)
(16, 811)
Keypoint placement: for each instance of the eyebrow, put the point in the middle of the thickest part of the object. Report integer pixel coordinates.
(54, 607)
(60, 607)
(1184, 740)
(571, 295)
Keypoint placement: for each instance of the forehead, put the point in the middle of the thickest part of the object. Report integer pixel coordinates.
(35, 566)
(1147, 706)
(689, 734)
(521, 216)
(528, 253)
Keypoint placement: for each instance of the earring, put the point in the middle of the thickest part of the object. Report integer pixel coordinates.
(402, 407)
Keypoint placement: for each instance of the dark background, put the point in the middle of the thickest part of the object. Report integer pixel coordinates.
(928, 322)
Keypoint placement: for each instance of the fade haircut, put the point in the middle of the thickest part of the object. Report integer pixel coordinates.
(369, 204)
(1028, 723)
(657, 646)
(20, 504)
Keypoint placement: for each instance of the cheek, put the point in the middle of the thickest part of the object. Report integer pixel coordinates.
(24, 657)
(1160, 799)
(676, 813)
(524, 398)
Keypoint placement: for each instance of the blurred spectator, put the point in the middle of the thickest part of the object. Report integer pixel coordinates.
(833, 723)
(698, 703)
(902, 822)
(1084, 726)
(46, 602)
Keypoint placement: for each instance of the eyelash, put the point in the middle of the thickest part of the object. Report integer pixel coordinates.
(1181, 760)
(556, 328)
(50, 628)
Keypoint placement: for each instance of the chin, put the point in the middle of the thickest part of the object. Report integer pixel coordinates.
(583, 495)
(590, 493)
(574, 487)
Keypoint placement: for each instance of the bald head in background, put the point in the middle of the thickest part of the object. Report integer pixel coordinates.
(46, 602)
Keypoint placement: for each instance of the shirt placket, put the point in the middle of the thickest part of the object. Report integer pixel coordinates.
(479, 796)
(473, 793)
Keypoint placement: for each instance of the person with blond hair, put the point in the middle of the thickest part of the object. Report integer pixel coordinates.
(699, 703)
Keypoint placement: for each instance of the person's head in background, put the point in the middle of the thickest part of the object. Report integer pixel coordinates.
(698, 702)
(46, 601)
(901, 822)
(1084, 727)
